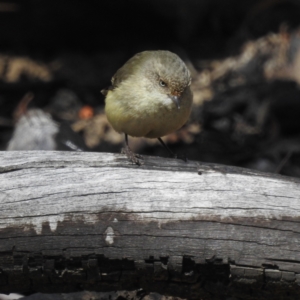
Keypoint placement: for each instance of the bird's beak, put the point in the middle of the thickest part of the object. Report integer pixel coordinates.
(176, 100)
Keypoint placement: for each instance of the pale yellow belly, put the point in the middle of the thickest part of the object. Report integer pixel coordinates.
(145, 122)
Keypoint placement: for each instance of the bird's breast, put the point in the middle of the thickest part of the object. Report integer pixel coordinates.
(144, 114)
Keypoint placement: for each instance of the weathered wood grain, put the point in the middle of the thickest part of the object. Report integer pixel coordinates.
(71, 221)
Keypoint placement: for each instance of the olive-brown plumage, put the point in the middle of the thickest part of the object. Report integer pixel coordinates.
(150, 95)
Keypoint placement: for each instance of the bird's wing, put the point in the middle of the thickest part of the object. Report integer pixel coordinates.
(105, 90)
(128, 69)
(119, 76)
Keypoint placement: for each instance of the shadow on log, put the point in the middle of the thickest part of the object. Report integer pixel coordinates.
(73, 221)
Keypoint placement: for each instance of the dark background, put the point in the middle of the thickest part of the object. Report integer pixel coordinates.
(85, 42)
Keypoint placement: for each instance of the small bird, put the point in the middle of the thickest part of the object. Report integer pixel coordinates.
(150, 97)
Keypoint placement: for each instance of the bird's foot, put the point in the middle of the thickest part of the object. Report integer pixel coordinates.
(180, 156)
(172, 154)
(134, 158)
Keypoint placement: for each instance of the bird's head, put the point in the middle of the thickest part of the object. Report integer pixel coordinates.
(168, 75)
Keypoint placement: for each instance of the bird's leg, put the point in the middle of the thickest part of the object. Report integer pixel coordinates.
(134, 158)
(172, 154)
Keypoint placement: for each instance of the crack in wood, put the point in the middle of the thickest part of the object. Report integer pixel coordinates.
(9, 170)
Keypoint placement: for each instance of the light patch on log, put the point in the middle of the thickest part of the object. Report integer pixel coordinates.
(37, 223)
(53, 221)
(109, 235)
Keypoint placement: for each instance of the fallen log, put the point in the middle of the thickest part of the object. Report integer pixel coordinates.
(73, 221)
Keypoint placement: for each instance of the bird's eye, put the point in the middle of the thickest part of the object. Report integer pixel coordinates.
(162, 83)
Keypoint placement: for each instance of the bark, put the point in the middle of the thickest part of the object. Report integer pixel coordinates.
(73, 221)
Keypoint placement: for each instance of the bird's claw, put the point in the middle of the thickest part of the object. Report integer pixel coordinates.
(180, 156)
(134, 158)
